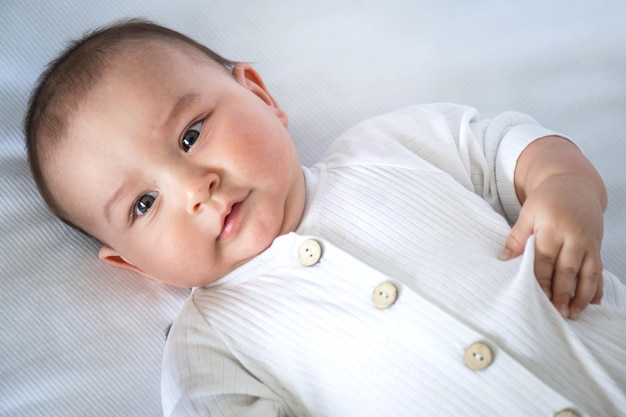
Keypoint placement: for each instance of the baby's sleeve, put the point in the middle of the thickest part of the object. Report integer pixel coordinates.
(200, 377)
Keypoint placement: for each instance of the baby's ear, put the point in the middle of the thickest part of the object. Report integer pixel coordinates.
(110, 256)
(247, 76)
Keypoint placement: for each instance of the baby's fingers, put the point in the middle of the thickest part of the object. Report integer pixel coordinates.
(589, 288)
(516, 241)
(564, 281)
(546, 253)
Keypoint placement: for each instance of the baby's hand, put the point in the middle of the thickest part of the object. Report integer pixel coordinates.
(563, 207)
(568, 227)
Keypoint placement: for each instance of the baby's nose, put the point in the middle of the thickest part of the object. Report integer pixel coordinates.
(199, 191)
(195, 199)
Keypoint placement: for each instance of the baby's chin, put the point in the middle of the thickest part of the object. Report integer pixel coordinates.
(244, 256)
(216, 275)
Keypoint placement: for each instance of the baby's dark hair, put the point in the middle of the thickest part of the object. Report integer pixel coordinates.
(68, 79)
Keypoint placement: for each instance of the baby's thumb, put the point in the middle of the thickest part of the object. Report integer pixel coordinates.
(515, 243)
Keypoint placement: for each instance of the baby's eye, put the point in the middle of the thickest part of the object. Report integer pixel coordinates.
(143, 204)
(190, 136)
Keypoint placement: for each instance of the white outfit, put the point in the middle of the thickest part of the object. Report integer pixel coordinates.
(410, 199)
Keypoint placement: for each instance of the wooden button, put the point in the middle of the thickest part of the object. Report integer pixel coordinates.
(567, 413)
(310, 252)
(385, 295)
(478, 356)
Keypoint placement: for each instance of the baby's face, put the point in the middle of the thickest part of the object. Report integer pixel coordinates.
(182, 171)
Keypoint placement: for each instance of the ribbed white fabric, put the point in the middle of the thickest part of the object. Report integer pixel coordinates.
(275, 338)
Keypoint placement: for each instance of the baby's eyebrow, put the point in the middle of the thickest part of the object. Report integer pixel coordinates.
(111, 202)
(181, 104)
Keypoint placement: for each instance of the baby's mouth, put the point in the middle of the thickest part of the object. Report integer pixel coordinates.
(230, 222)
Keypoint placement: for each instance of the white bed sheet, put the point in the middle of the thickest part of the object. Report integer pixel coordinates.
(78, 338)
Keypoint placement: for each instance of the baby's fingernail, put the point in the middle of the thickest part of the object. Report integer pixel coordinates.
(574, 312)
(505, 255)
(547, 292)
(563, 310)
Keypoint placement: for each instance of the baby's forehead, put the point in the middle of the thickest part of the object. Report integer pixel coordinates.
(158, 66)
(141, 83)
(134, 75)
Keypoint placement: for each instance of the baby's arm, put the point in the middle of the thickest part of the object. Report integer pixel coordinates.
(563, 200)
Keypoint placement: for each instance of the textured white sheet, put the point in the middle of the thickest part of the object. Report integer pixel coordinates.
(78, 338)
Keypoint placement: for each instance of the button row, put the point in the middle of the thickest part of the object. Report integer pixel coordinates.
(478, 356)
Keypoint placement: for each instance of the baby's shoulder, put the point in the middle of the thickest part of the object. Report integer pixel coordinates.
(403, 137)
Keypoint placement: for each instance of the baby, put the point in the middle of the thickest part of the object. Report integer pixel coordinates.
(385, 280)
